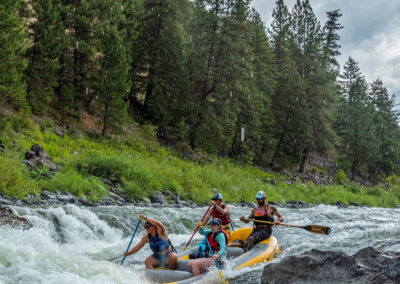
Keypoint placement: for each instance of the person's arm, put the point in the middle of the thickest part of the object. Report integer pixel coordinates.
(277, 214)
(207, 231)
(160, 227)
(222, 244)
(206, 219)
(138, 247)
(251, 216)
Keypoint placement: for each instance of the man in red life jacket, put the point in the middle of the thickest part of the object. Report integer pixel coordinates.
(220, 211)
(218, 240)
(264, 212)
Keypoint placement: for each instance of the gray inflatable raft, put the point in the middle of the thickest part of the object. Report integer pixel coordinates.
(183, 271)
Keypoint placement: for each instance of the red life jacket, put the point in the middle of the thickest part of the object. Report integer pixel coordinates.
(216, 214)
(214, 243)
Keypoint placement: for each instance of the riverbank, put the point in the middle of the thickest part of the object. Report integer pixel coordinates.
(41, 159)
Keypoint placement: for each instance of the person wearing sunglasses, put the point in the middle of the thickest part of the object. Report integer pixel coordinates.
(217, 238)
(159, 243)
(264, 212)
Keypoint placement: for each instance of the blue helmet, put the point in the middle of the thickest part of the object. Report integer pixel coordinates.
(215, 221)
(260, 195)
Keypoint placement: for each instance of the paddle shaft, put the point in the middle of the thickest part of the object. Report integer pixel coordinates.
(316, 229)
(137, 226)
(212, 253)
(272, 223)
(197, 228)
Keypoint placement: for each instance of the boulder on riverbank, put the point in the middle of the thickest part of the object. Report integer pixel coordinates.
(9, 218)
(315, 266)
(37, 156)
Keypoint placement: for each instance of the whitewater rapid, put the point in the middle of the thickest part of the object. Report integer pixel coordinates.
(70, 244)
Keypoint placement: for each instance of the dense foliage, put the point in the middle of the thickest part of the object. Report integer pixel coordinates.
(138, 166)
(206, 73)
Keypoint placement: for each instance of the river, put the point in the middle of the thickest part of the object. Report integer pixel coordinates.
(70, 244)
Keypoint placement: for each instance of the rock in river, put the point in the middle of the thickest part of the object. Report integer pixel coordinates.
(366, 266)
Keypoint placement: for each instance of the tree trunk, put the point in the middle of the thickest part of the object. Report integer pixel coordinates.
(303, 161)
(277, 149)
(105, 120)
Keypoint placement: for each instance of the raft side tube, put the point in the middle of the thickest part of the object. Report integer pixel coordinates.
(161, 276)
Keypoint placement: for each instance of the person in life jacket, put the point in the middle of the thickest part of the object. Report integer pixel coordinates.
(159, 243)
(264, 212)
(218, 240)
(219, 210)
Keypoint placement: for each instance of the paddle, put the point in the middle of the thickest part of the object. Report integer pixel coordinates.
(137, 226)
(197, 228)
(316, 229)
(212, 253)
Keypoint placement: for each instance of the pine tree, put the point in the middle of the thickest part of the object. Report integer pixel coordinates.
(255, 115)
(288, 99)
(320, 92)
(159, 90)
(355, 124)
(332, 38)
(114, 70)
(387, 132)
(13, 39)
(44, 54)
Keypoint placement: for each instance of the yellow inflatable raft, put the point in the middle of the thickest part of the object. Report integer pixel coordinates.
(261, 252)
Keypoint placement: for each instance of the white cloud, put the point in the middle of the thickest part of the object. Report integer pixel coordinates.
(371, 34)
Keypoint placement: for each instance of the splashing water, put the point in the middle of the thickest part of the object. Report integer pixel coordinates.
(70, 244)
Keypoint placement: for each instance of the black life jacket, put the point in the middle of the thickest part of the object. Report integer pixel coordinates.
(216, 214)
(262, 215)
(214, 244)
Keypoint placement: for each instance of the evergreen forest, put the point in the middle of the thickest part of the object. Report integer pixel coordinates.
(208, 75)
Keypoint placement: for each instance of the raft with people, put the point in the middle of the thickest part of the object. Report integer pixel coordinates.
(221, 247)
(236, 258)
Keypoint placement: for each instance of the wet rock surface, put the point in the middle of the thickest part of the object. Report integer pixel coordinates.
(296, 205)
(9, 218)
(366, 266)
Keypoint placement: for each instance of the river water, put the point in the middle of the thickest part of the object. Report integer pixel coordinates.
(70, 244)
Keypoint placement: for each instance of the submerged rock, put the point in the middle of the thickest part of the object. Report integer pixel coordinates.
(315, 266)
(296, 205)
(9, 218)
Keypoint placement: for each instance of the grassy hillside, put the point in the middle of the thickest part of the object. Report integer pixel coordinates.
(140, 166)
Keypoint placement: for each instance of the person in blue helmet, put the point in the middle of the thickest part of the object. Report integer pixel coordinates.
(159, 243)
(203, 258)
(264, 212)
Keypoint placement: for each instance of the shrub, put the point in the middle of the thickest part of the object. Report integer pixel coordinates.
(14, 178)
(102, 165)
(91, 188)
(340, 177)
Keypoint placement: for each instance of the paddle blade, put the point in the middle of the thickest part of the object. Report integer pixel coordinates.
(223, 281)
(318, 229)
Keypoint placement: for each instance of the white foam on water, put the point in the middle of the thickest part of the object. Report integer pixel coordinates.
(70, 244)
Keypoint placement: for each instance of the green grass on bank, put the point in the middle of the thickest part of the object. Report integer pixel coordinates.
(140, 167)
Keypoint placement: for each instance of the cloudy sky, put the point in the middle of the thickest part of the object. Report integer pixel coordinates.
(371, 34)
